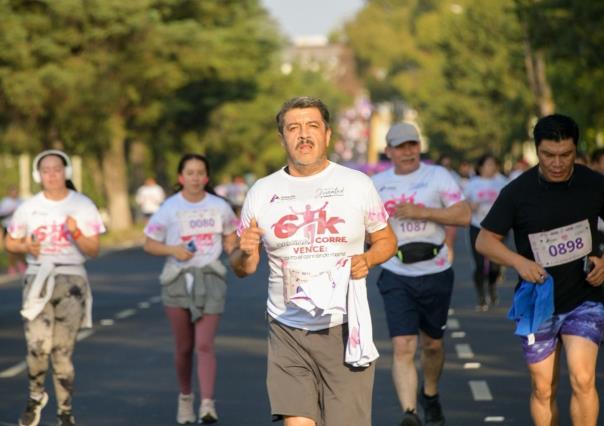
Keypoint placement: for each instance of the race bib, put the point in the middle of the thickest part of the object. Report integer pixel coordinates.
(292, 280)
(416, 228)
(201, 221)
(561, 245)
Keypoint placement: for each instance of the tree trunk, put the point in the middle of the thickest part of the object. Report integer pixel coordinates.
(115, 176)
(542, 91)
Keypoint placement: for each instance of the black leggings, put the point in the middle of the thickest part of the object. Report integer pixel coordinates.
(484, 269)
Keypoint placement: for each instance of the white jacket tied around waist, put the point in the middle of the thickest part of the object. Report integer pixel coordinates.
(334, 291)
(45, 273)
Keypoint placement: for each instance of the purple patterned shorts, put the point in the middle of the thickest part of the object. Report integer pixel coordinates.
(586, 320)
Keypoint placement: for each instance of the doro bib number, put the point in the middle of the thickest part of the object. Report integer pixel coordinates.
(561, 245)
(195, 222)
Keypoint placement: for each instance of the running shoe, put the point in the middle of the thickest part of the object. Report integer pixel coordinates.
(207, 412)
(186, 413)
(410, 418)
(433, 412)
(65, 419)
(33, 411)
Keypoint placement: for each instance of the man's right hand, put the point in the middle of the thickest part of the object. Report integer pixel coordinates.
(530, 271)
(250, 238)
(181, 253)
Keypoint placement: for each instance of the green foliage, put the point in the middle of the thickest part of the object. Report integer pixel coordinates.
(459, 64)
(571, 32)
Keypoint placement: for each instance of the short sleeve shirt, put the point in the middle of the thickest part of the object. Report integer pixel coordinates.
(46, 219)
(179, 221)
(483, 192)
(530, 205)
(431, 186)
(310, 223)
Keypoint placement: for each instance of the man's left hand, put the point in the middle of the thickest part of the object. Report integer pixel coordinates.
(596, 276)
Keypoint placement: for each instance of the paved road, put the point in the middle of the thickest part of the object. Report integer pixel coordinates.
(125, 375)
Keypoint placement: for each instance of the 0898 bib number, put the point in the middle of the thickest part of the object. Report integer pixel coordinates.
(561, 245)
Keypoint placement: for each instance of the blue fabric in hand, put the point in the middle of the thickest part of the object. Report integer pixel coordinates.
(533, 304)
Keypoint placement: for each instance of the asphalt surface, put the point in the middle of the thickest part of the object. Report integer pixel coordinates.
(124, 365)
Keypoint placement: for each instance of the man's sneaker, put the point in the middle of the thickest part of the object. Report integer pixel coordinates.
(433, 412)
(65, 419)
(31, 415)
(410, 418)
(482, 307)
(207, 412)
(185, 413)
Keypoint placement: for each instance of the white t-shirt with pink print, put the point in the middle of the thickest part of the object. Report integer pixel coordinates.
(310, 223)
(429, 186)
(179, 221)
(46, 219)
(483, 192)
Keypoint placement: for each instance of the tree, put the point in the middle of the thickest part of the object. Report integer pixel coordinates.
(88, 75)
(459, 64)
(570, 35)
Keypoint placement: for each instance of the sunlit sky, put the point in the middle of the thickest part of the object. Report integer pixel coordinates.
(301, 18)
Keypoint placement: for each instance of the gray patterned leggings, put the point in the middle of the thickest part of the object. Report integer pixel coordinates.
(53, 334)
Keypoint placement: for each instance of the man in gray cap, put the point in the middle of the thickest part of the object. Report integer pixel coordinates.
(417, 283)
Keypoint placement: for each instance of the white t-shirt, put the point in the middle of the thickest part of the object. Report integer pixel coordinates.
(309, 223)
(149, 198)
(483, 192)
(46, 220)
(179, 221)
(431, 186)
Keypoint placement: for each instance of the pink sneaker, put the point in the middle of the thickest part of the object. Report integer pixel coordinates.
(22, 267)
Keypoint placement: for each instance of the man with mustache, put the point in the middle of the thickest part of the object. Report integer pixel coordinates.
(416, 284)
(312, 217)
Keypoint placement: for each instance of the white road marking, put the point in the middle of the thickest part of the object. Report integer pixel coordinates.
(85, 334)
(107, 321)
(144, 305)
(451, 311)
(480, 390)
(453, 324)
(458, 334)
(464, 351)
(494, 419)
(13, 371)
(472, 365)
(125, 313)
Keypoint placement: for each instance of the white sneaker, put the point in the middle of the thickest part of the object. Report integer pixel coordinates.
(33, 411)
(185, 413)
(207, 412)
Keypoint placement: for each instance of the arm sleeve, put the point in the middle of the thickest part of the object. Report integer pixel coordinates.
(89, 219)
(157, 226)
(448, 189)
(18, 224)
(376, 217)
(229, 220)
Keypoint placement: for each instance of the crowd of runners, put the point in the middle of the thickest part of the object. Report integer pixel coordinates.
(323, 227)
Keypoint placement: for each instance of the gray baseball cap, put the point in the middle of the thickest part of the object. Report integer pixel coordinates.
(401, 133)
